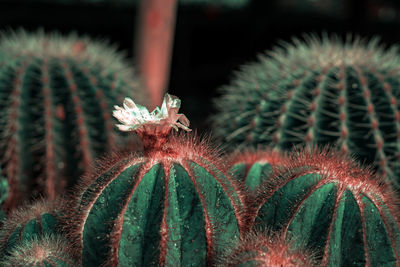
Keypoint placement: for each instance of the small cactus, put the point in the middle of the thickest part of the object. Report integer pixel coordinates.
(56, 95)
(46, 250)
(329, 203)
(168, 206)
(318, 91)
(25, 223)
(4, 188)
(252, 168)
(258, 249)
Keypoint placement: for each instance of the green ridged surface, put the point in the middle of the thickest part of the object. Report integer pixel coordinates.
(174, 204)
(34, 228)
(252, 176)
(48, 129)
(356, 226)
(318, 91)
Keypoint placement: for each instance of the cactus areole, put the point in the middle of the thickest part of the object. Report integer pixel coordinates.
(168, 206)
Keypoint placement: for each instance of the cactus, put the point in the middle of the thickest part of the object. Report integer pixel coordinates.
(4, 188)
(318, 91)
(56, 95)
(252, 168)
(329, 203)
(170, 205)
(47, 250)
(258, 249)
(26, 223)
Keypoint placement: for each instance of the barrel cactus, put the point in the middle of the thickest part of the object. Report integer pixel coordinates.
(258, 249)
(46, 250)
(329, 203)
(56, 95)
(170, 205)
(26, 223)
(253, 167)
(318, 91)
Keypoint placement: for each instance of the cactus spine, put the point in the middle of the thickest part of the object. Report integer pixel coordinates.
(327, 202)
(168, 206)
(56, 94)
(258, 249)
(319, 91)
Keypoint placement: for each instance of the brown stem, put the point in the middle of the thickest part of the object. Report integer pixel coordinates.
(154, 41)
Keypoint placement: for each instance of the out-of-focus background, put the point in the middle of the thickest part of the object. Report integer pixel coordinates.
(212, 37)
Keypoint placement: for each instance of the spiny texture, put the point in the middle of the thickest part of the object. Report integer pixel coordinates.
(322, 91)
(47, 250)
(329, 203)
(170, 206)
(257, 249)
(252, 167)
(27, 223)
(56, 96)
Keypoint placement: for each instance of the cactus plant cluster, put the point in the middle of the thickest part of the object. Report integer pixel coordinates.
(56, 96)
(176, 200)
(318, 91)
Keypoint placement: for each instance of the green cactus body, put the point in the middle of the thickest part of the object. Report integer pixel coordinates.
(318, 92)
(28, 223)
(252, 168)
(171, 205)
(172, 209)
(333, 206)
(41, 251)
(56, 96)
(4, 188)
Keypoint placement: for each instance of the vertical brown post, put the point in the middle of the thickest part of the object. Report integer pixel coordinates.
(154, 41)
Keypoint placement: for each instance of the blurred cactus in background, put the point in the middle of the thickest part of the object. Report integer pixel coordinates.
(56, 97)
(318, 91)
(4, 188)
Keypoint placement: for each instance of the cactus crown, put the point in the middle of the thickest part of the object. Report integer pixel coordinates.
(328, 52)
(266, 249)
(153, 128)
(41, 45)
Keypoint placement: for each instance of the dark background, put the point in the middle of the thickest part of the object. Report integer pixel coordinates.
(211, 40)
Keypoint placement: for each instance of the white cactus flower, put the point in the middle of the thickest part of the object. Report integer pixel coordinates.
(135, 117)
